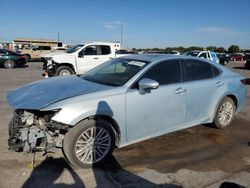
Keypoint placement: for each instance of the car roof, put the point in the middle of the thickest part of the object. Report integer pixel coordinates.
(150, 57)
(9, 51)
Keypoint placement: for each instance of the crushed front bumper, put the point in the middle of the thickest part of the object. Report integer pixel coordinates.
(49, 66)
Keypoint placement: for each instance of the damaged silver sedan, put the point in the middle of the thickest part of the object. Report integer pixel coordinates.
(123, 101)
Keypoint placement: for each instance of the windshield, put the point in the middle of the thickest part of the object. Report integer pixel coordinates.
(115, 72)
(194, 54)
(74, 48)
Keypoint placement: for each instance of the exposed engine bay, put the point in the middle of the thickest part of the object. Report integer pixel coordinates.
(32, 131)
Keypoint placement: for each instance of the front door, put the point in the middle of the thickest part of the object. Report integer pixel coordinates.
(158, 111)
(92, 56)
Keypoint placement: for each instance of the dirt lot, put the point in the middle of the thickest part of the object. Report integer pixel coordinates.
(196, 157)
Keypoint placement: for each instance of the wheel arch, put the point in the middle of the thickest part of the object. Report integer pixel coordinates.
(230, 95)
(27, 55)
(67, 65)
(114, 125)
(234, 98)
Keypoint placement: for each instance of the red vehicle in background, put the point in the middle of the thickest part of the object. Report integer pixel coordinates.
(237, 57)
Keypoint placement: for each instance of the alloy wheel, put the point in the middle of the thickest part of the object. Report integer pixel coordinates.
(92, 145)
(226, 113)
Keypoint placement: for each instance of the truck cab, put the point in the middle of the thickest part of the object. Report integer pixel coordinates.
(206, 54)
(80, 58)
(34, 52)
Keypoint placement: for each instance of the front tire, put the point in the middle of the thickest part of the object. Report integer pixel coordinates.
(225, 113)
(9, 64)
(64, 71)
(89, 144)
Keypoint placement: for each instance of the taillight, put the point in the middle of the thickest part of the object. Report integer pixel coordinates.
(244, 81)
(21, 57)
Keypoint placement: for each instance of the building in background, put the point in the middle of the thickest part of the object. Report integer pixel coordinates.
(22, 43)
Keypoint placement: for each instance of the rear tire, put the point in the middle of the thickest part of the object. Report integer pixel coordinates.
(89, 144)
(225, 113)
(9, 64)
(64, 71)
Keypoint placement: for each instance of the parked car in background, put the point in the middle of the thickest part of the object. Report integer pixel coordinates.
(247, 58)
(212, 56)
(125, 52)
(9, 59)
(223, 58)
(174, 52)
(237, 57)
(120, 102)
(34, 52)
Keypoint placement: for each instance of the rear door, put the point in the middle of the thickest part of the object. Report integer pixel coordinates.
(204, 89)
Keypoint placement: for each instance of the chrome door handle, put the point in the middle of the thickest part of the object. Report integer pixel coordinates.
(180, 90)
(218, 84)
(96, 58)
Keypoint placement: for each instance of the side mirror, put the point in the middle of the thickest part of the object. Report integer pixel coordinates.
(146, 84)
(81, 54)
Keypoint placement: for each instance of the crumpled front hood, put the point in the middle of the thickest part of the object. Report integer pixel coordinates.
(39, 94)
(51, 54)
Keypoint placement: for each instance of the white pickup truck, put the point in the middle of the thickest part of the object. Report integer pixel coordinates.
(80, 58)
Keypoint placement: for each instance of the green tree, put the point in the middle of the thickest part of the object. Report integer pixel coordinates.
(212, 48)
(194, 48)
(233, 49)
(221, 50)
(181, 49)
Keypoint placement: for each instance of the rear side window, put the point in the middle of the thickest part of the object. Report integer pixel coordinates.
(2, 52)
(105, 50)
(165, 72)
(44, 48)
(215, 71)
(197, 70)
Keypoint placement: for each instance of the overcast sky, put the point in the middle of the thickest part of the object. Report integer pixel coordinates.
(146, 23)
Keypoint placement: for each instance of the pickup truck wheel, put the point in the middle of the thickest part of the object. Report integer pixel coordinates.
(225, 113)
(64, 71)
(89, 144)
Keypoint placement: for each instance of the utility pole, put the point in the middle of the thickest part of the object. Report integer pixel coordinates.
(121, 34)
(58, 36)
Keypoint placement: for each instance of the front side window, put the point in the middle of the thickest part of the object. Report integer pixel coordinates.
(167, 72)
(2, 52)
(203, 55)
(90, 50)
(197, 70)
(115, 72)
(74, 48)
